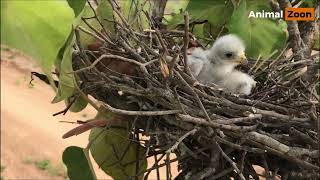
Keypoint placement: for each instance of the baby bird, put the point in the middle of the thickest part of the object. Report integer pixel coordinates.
(217, 65)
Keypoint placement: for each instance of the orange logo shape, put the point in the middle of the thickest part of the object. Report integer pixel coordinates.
(299, 14)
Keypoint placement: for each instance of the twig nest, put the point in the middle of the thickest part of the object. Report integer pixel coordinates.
(212, 132)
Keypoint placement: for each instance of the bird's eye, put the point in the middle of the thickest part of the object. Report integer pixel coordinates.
(229, 55)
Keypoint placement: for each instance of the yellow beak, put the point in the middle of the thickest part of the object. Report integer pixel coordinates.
(242, 59)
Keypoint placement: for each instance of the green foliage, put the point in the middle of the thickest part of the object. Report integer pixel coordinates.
(46, 36)
(133, 13)
(39, 28)
(128, 9)
(174, 7)
(261, 36)
(64, 65)
(217, 13)
(77, 6)
(105, 15)
(76, 160)
(46, 165)
(114, 152)
(85, 38)
(43, 164)
(64, 58)
(308, 4)
(79, 104)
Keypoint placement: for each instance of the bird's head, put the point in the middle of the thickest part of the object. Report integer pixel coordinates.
(229, 50)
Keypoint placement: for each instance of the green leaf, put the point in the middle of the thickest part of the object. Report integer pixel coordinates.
(261, 36)
(77, 162)
(175, 11)
(175, 20)
(66, 79)
(176, 6)
(135, 18)
(105, 15)
(79, 104)
(39, 29)
(308, 4)
(216, 12)
(108, 145)
(86, 39)
(77, 6)
(64, 59)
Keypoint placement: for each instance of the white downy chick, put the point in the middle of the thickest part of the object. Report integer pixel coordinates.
(216, 65)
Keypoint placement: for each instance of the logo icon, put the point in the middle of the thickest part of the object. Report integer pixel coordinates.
(299, 14)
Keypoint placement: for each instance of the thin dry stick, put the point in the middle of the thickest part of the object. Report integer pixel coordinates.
(195, 95)
(234, 165)
(91, 33)
(175, 146)
(140, 113)
(203, 122)
(141, 65)
(263, 61)
(186, 42)
(255, 64)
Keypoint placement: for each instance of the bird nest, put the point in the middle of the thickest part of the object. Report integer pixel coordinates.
(214, 134)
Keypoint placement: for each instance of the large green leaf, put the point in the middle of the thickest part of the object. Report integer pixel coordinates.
(105, 15)
(128, 10)
(77, 162)
(216, 13)
(86, 39)
(261, 35)
(77, 6)
(64, 59)
(66, 79)
(38, 28)
(114, 152)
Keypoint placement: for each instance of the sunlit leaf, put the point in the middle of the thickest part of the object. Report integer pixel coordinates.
(206, 17)
(261, 35)
(64, 59)
(66, 78)
(217, 12)
(76, 160)
(132, 11)
(105, 15)
(86, 39)
(39, 29)
(175, 20)
(77, 6)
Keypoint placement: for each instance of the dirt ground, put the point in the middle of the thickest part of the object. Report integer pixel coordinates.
(31, 143)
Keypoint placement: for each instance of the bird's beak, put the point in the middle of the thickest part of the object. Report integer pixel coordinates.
(242, 59)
